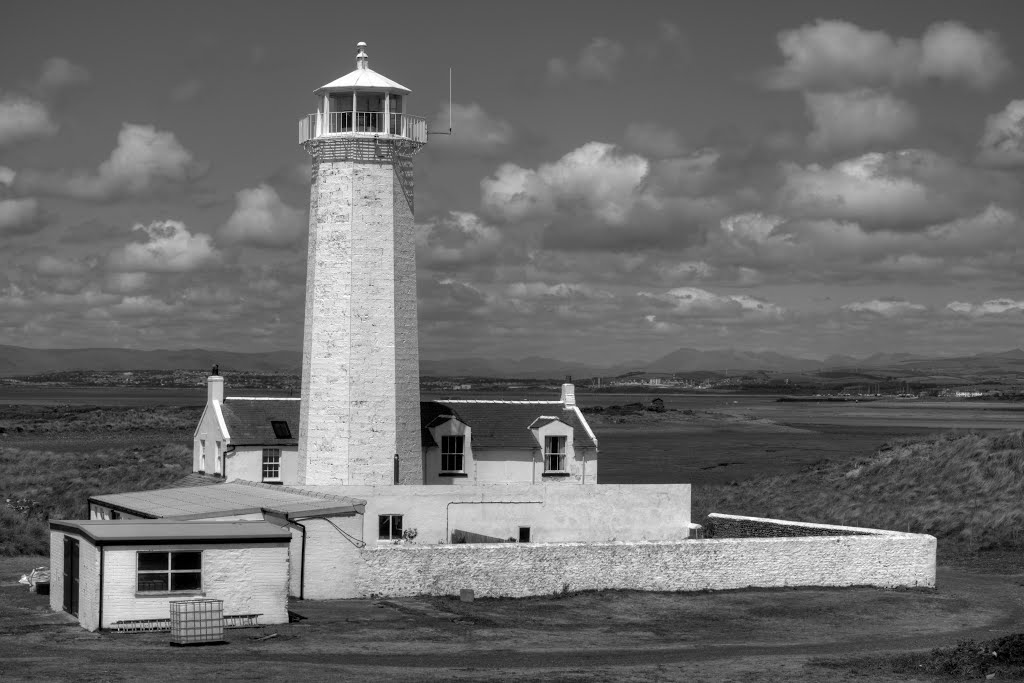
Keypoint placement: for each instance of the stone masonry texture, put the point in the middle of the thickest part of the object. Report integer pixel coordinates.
(884, 559)
(360, 366)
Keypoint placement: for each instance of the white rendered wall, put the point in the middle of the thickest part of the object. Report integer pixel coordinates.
(246, 463)
(360, 374)
(249, 579)
(554, 512)
(88, 579)
(207, 434)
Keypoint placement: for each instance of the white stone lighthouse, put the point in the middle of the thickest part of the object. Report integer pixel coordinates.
(360, 419)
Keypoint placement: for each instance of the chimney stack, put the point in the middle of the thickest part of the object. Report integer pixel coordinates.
(214, 388)
(569, 395)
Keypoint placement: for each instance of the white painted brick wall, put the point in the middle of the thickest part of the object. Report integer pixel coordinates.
(517, 570)
(88, 578)
(360, 376)
(249, 579)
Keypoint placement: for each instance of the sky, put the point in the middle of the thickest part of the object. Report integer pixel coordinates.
(624, 179)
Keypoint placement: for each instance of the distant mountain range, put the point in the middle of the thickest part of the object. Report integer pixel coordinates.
(19, 361)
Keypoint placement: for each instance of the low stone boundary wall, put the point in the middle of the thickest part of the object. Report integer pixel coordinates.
(867, 558)
(734, 526)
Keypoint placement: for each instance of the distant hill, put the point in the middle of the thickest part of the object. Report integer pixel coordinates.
(688, 360)
(18, 361)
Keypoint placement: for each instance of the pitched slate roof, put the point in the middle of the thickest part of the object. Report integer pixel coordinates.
(231, 498)
(248, 420)
(506, 424)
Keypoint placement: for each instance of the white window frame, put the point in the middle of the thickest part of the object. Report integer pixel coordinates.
(391, 527)
(169, 572)
(460, 439)
(552, 454)
(271, 458)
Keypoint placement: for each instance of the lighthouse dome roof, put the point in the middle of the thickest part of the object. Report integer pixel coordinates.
(363, 78)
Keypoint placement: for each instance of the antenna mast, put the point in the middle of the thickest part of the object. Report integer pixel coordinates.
(441, 132)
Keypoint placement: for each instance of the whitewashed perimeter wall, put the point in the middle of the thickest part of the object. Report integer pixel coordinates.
(885, 559)
(248, 579)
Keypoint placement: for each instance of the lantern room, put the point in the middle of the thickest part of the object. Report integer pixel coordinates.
(362, 103)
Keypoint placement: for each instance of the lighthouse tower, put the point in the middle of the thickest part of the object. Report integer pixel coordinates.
(360, 419)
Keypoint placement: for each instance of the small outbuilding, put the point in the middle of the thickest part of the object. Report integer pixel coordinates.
(110, 571)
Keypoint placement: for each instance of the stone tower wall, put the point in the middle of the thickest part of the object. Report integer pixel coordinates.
(360, 362)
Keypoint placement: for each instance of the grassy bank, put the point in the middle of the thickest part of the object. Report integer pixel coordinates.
(37, 485)
(964, 488)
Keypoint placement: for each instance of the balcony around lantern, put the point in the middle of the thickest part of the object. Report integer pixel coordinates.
(362, 123)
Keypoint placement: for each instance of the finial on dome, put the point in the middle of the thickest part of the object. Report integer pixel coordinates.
(362, 60)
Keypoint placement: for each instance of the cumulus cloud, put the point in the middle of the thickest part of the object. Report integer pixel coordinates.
(475, 131)
(597, 61)
(456, 239)
(898, 190)
(983, 245)
(839, 55)
(856, 119)
(169, 248)
(22, 118)
(19, 216)
(1002, 143)
(146, 161)
(888, 308)
(59, 73)
(692, 302)
(598, 196)
(992, 307)
(653, 140)
(261, 219)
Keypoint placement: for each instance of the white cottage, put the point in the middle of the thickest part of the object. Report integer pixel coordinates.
(463, 442)
(105, 572)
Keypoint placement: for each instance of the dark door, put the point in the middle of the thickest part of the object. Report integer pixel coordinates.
(71, 575)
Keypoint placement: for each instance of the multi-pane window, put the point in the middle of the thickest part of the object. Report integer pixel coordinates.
(554, 453)
(451, 453)
(390, 527)
(271, 464)
(170, 571)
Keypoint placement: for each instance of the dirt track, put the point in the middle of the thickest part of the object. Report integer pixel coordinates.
(751, 635)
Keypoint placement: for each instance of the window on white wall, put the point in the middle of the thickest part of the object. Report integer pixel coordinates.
(216, 455)
(202, 455)
(390, 527)
(554, 453)
(451, 453)
(271, 464)
(168, 572)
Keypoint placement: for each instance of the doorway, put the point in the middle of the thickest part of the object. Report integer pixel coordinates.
(71, 575)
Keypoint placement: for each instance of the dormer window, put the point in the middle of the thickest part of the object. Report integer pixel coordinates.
(451, 453)
(281, 429)
(554, 453)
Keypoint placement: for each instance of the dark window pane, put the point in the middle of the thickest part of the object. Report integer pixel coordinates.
(187, 560)
(396, 526)
(385, 526)
(152, 561)
(281, 429)
(153, 582)
(186, 581)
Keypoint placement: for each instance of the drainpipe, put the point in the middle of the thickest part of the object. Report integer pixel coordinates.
(102, 555)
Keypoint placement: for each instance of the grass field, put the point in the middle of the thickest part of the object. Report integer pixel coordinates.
(964, 488)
